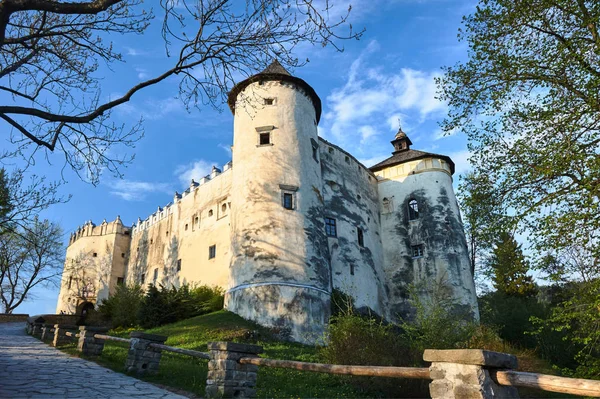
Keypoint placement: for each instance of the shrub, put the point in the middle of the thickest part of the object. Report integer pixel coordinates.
(121, 308)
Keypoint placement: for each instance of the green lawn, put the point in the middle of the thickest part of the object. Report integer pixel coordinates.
(189, 374)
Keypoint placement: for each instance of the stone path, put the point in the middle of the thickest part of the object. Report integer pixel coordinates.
(32, 369)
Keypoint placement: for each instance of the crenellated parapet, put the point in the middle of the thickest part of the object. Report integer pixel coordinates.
(164, 212)
(89, 229)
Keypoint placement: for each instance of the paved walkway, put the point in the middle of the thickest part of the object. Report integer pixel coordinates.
(32, 369)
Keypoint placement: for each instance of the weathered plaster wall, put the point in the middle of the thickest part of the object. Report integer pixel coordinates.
(181, 234)
(445, 261)
(280, 256)
(351, 198)
(93, 278)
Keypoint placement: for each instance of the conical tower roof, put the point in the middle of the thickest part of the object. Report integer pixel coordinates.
(275, 72)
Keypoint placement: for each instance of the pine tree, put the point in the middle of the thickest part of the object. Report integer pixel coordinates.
(508, 267)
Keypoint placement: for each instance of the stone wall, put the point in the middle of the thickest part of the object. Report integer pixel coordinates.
(13, 317)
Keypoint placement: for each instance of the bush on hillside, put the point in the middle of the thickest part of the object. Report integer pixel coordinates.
(121, 308)
(163, 305)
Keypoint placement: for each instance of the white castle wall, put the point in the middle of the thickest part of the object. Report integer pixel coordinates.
(351, 199)
(445, 262)
(181, 233)
(279, 269)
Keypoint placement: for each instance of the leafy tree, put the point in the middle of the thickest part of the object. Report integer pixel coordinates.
(482, 215)
(28, 259)
(528, 99)
(509, 268)
(51, 52)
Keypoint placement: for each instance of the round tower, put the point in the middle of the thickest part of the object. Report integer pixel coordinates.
(280, 274)
(424, 244)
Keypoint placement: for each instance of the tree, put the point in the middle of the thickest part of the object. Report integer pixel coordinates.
(528, 99)
(509, 268)
(28, 259)
(22, 199)
(52, 50)
(481, 213)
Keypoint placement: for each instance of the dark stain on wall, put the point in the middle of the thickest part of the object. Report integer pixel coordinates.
(314, 229)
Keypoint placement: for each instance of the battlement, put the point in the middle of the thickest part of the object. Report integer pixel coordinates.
(90, 229)
(163, 212)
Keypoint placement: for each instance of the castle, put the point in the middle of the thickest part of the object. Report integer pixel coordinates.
(289, 220)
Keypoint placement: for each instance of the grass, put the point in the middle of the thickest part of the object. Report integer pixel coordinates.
(189, 374)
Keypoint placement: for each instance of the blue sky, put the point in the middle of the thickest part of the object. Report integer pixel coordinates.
(386, 77)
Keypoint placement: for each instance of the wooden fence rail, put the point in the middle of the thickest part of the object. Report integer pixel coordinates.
(188, 352)
(233, 367)
(549, 383)
(370, 371)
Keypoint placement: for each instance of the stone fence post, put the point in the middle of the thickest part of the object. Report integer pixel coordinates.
(465, 373)
(36, 331)
(226, 377)
(46, 332)
(59, 334)
(142, 358)
(88, 345)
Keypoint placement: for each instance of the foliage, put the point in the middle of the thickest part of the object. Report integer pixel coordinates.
(122, 307)
(578, 318)
(52, 54)
(528, 101)
(509, 315)
(508, 268)
(5, 204)
(163, 305)
(29, 258)
(481, 213)
(438, 323)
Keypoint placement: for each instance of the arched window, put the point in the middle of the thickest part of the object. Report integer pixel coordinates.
(413, 209)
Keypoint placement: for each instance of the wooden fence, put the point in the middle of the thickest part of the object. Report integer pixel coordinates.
(453, 373)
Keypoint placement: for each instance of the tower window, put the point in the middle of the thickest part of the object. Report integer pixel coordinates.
(269, 101)
(360, 236)
(122, 254)
(224, 208)
(178, 265)
(210, 212)
(212, 251)
(155, 275)
(70, 281)
(151, 241)
(330, 227)
(264, 138)
(186, 227)
(95, 254)
(352, 269)
(288, 201)
(417, 251)
(330, 150)
(315, 149)
(413, 209)
(143, 278)
(347, 159)
(120, 280)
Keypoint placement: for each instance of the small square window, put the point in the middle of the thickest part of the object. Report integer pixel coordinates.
(120, 280)
(330, 150)
(264, 138)
(360, 236)
(95, 254)
(122, 254)
(212, 251)
(210, 213)
(347, 159)
(288, 201)
(330, 227)
(269, 101)
(417, 251)
(178, 265)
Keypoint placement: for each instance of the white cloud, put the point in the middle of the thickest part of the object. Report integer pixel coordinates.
(194, 170)
(152, 109)
(142, 73)
(136, 190)
(374, 101)
(134, 52)
(225, 147)
(440, 134)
